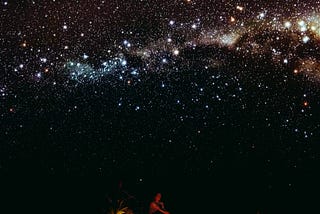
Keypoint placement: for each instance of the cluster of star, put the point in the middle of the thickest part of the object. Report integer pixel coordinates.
(264, 34)
(239, 32)
(194, 66)
(83, 72)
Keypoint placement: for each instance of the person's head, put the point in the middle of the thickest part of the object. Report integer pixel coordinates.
(157, 197)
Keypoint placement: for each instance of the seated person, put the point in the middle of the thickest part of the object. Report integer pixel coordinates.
(157, 206)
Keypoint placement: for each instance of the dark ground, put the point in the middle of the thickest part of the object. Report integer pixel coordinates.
(230, 189)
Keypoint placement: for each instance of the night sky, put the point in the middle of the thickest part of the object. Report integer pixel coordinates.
(185, 97)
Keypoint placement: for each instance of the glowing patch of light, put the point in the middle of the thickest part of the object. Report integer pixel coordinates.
(239, 8)
(176, 52)
(127, 43)
(303, 29)
(38, 75)
(262, 15)
(83, 72)
(314, 22)
(303, 25)
(85, 56)
(194, 26)
(287, 24)
(134, 72)
(44, 60)
(305, 39)
(228, 39)
(123, 62)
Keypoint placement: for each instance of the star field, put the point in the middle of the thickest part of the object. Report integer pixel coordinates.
(156, 88)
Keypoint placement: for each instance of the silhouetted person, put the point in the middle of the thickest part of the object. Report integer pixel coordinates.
(117, 195)
(124, 194)
(157, 206)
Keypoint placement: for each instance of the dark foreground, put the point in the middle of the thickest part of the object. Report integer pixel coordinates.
(227, 192)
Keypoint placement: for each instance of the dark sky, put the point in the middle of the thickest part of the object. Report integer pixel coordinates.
(181, 97)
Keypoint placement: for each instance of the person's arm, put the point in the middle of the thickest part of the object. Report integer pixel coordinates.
(157, 208)
(162, 205)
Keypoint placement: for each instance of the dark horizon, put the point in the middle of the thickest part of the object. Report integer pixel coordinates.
(224, 193)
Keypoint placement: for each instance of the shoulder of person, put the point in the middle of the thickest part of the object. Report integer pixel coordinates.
(153, 203)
